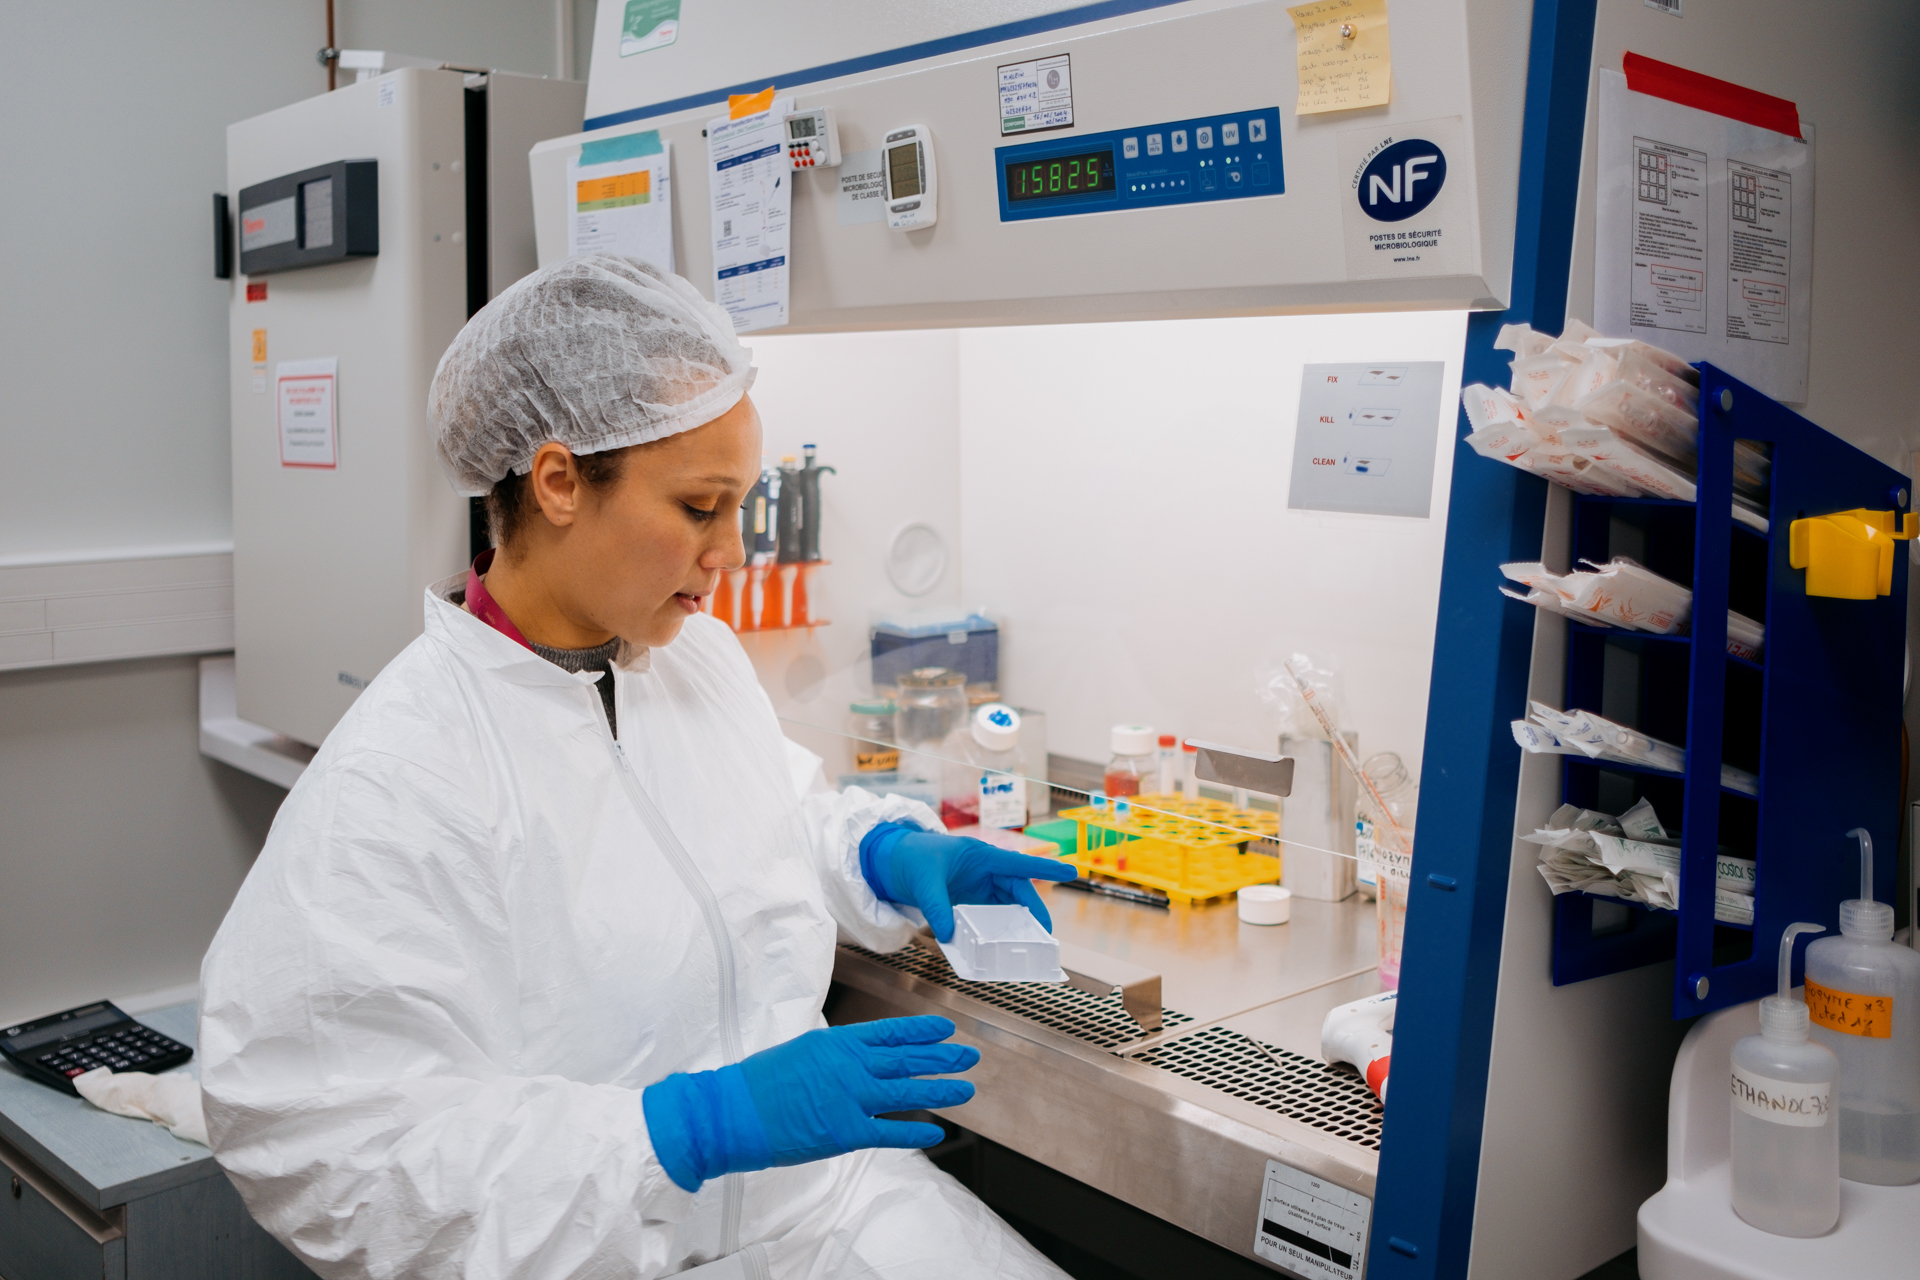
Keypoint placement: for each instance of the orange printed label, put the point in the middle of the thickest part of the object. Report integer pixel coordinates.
(1850, 1014)
(615, 192)
(259, 346)
(876, 761)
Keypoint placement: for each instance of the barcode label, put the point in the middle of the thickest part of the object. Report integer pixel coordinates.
(1665, 6)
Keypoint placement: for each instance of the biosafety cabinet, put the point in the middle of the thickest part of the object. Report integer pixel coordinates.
(370, 222)
(1291, 212)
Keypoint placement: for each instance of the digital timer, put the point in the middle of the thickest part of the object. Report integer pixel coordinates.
(1070, 175)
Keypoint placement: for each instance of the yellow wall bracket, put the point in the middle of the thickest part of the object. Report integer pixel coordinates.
(1849, 554)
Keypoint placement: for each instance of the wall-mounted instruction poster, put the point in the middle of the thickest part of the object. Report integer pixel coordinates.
(1704, 223)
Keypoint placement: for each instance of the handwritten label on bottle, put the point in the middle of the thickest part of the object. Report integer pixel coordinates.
(1850, 1014)
(1782, 1101)
(877, 760)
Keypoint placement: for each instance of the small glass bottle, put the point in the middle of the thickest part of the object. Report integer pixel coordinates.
(871, 722)
(929, 712)
(1189, 778)
(1133, 760)
(1863, 994)
(1785, 1138)
(987, 786)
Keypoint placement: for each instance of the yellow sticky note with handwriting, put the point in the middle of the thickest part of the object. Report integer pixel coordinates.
(1343, 54)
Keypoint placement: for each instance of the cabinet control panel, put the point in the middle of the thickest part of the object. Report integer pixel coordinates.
(1225, 157)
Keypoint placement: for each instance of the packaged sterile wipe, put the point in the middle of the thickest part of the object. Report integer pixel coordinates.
(1747, 784)
(1634, 595)
(1752, 470)
(1745, 637)
(1489, 406)
(1536, 378)
(1640, 822)
(1601, 444)
(1507, 442)
(1521, 340)
(1734, 874)
(1732, 908)
(1646, 420)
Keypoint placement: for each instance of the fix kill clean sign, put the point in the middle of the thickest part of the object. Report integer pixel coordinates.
(1402, 180)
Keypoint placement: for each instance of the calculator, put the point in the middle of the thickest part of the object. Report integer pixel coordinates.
(56, 1048)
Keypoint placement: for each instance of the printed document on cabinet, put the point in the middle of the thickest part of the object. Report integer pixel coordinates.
(752, 187)
(1704, 237)
(620, 195)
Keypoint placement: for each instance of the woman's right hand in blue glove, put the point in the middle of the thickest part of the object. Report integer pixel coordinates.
(813, 1097)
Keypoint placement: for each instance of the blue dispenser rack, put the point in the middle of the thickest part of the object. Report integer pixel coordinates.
(1817, 717)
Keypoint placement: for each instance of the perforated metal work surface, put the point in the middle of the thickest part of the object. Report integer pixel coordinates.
(1098, 1020)
(1334, 1099)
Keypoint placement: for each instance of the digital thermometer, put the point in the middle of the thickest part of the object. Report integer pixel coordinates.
(912, 186)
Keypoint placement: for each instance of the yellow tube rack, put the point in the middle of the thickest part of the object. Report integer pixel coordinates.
(1188, 849)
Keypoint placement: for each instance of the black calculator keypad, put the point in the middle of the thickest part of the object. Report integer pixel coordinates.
(124, 1046)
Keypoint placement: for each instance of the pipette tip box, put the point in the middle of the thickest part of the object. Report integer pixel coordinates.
(1001, 944)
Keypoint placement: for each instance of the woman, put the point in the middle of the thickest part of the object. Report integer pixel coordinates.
(528, 978)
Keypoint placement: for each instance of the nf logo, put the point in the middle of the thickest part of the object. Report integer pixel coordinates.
(1402, 180)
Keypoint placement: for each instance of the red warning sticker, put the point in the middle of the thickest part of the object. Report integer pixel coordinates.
(256, 291)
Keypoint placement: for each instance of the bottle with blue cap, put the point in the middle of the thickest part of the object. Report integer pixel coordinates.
(987, 786)
(1863, 995)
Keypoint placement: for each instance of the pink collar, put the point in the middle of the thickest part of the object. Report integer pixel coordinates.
(484, 607)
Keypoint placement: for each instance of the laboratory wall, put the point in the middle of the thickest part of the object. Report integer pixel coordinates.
(1576, 1097)
(1096, 485)
(120, 845)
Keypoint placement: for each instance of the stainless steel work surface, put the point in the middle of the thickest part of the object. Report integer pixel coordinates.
(1180, 1123)
(1294, 1024)
(1211, 965)
(103, 1159)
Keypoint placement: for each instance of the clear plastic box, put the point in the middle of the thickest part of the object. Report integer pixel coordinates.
(1001, 944)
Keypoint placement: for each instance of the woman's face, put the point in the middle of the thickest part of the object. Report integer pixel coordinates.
(644, 552)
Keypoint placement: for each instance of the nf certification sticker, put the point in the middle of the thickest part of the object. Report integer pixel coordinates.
(1402, 180)
(1405, 210)
(1310, 1226)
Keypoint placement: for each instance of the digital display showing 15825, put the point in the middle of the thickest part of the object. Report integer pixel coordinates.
(1061, 176)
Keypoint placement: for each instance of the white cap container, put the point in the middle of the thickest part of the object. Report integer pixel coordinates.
(1133, 740)
(996, 726)
(1265, 904)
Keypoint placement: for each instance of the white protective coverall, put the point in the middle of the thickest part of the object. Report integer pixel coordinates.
(480, 927)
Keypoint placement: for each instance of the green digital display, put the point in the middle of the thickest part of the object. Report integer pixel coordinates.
(1091, 171)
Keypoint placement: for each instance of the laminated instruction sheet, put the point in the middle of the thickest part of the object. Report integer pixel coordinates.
(1705, 223)
(621, 199)
(752, 188)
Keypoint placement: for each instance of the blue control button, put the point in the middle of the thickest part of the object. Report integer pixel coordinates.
(1130, 147)
(1261, 175)
(1230, 134)
(1179, 139)
(1256, 130)
(1153, 144)
(1209, 180)
(1235, 178)
(1203, 137)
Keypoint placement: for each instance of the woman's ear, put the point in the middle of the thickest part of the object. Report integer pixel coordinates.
(556, 484)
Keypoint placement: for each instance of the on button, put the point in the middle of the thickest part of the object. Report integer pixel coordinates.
(1130, 147)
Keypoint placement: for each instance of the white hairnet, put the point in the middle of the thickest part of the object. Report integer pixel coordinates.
(597, 352)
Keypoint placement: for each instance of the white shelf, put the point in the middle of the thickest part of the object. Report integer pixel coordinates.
(248, 747)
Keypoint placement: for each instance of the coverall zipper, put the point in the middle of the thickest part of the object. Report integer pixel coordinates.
(696, 884)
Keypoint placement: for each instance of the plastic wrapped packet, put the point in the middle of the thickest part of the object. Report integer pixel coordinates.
(1603, 446)
(1745, 637)
(1537, 378)
(1521, 340)
(1646, 420)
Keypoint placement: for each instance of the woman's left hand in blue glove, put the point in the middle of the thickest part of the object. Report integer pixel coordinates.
(934, 871)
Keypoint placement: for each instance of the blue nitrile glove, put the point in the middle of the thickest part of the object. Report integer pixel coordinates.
(814, 1096)
(932, 871)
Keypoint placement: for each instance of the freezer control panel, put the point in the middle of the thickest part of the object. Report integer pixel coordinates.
(1224, 157)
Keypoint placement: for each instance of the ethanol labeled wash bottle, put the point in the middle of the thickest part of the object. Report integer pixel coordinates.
(1784, 1142)
(1863, 994)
